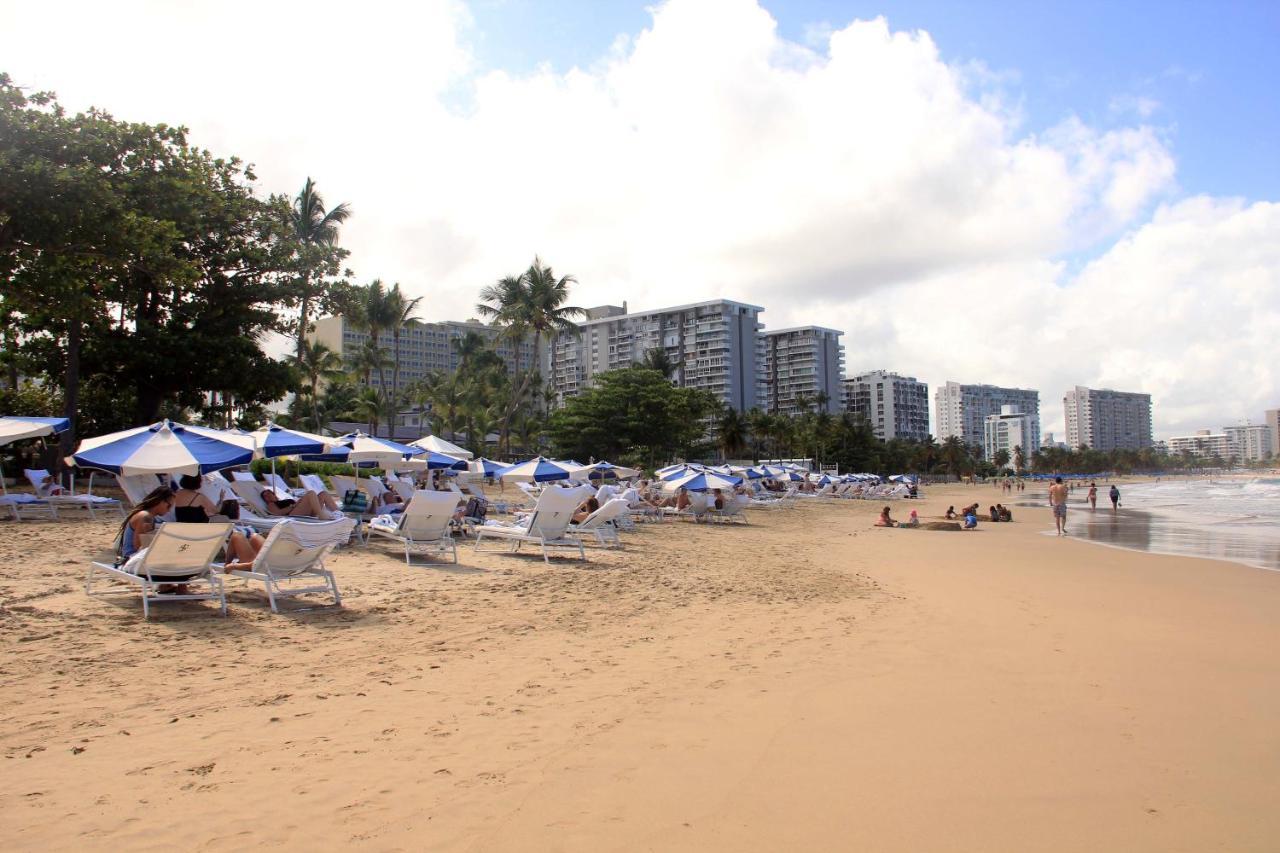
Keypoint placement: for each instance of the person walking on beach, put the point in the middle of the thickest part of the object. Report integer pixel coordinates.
(1115, 498)
(1058, 500)
(1093, 495)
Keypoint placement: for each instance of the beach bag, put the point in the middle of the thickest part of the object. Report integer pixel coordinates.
(355, 500)
(476, 509)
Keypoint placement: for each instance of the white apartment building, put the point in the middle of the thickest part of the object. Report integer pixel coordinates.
(424, 347)
(1107, 420)
(897, 406)
(716, 346)
(802, 363)
(1203, 445)
(962, 411)
(1010, 430)
(1251, 442)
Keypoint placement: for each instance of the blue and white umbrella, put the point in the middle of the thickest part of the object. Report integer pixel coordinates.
(669, 468)
(536, 470)
(604, 471)
(681, 471)
(429, 461)
(163, 448)
(272, 441)
(702, 481)
(17, 427)
(370, 448)
(743, 471)
(486, 467)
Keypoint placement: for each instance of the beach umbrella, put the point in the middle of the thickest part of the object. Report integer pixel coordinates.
(682, 471)
(537, 470)
(369, 448)
(669, 468)
(436, 444)
(16, 427)
(702, 481)
(430, 461)
(604, 471)
(271, 441)
(486, 467)
(165, 447)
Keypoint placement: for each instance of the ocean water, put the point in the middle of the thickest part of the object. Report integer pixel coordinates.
(1226, 519)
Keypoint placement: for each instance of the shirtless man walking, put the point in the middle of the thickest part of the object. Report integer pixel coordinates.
(1058, 500)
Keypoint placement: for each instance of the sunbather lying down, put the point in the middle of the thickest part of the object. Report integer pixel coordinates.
(310, 504)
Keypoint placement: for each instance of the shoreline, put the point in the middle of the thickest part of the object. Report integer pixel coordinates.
(805, 680)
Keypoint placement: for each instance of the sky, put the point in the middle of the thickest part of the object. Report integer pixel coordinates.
(1038, 195)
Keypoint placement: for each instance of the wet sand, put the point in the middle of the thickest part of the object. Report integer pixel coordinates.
(806, 681)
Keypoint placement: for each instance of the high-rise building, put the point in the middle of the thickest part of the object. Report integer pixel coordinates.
(1009, 431)
(962, 411)
(1203, 444)
(1251, 442)
(715, 345)
(424, 347)
(1273, 421)
(897, 406)
(805, 363)
(1107, 420)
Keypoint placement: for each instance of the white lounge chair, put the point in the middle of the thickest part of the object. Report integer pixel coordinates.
(254, 510)
(697, 508)
(603, 523)
(547, 526)
(295, 551)
(46, 488)
(276, 483)
(423, 526)
(734, 509)
(315, 483)
(138, 486)
(178, 554)
(20, 502)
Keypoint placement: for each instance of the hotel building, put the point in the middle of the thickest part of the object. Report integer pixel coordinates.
(424, 347)
(897, 406)
(1107, 420)
(804, 363)
(716, 346)
(1010, 430)
(1203, 445)
(1251, 442)
(962, 411)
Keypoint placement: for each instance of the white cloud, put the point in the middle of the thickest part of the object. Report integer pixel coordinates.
(854, 180)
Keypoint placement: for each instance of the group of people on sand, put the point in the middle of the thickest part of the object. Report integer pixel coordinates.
(887, 520)
(1058, 494)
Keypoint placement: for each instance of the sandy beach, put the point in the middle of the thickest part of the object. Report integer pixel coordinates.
(803, 682)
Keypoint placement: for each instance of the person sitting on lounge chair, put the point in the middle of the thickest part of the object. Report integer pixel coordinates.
(718, 503)
(140, 524)
(309, 504)
(885, 520)
(587, 507)
(190, 506)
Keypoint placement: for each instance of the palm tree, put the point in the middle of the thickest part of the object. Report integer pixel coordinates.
(318, 363)
(365, 360)
(398, 309)
(954, 455)
(1019, 459)
(658, 359)
(312, 227)
(532, 302)
(731, 432)
(368, 406)
(374, 314)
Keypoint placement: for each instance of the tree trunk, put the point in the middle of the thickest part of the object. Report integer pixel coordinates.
(304, 316)
(70, 391)
(394, 397)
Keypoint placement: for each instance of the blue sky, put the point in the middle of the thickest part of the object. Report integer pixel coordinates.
(1206, 71)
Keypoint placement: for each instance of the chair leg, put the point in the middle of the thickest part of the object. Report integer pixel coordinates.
(333, 584)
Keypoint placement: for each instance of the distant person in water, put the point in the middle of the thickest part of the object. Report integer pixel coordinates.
(1058, 500)
(1115, 498)
(1093, 496)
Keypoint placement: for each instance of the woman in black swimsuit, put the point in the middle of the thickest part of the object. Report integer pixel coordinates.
(192, 507)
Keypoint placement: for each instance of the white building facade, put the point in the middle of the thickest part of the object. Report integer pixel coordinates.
(716, 346)
(802, 364)
(896, 406)
(962, 410)
(1249, 443)
(1202, 445)
(1107, 420)
(424, 347)
(1009, 431)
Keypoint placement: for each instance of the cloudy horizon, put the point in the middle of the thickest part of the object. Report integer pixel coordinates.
(856, 178)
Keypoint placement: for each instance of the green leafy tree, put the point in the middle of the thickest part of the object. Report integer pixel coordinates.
(314, 230)
(658, 359)
(632, 414)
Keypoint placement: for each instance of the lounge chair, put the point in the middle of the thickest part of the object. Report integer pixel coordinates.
(178, 554)
(276, 483)
(254, 512)
(603, 523)
(547, 526)
(697, 508)
(734, 509)
(47, 488)
(315, 483)
(20, 502)
(295, 551)
(423, 526)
